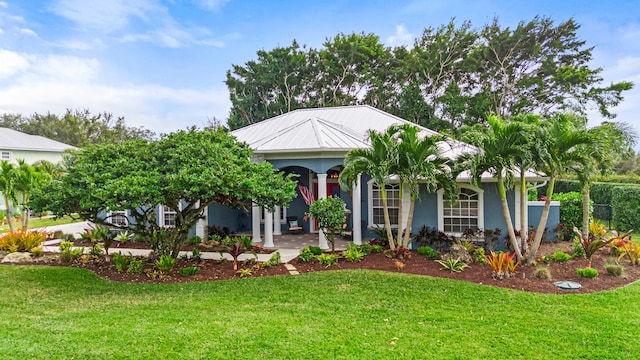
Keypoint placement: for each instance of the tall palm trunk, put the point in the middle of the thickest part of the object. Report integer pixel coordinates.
(6, 204)
(507, 218)
(543, 221)
(399, 241)
(407, 230)
(585, 209)
(524, 236)
(387, 222)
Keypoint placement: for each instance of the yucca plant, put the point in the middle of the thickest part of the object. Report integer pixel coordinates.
(454, 265)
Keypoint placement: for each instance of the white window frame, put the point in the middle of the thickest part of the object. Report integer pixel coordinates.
(370, 188)
(480, 203)
(5, 155)
(283, 215)
(163, 212)
(115, 213)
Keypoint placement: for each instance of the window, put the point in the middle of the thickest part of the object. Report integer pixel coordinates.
(466, 213)
(376, 215)
(118, 218)
(5, 155)
(167, 216)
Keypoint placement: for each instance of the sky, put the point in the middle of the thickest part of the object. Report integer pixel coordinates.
(161, 64)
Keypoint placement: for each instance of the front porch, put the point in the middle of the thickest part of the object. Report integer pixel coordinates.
(299, 241)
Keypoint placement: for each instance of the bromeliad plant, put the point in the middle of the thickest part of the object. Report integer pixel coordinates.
(454, 265)
(236, 247)
(594, 241)
(503, 264)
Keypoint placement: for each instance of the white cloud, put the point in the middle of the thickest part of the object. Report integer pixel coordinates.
(212, 5)
(3, 4)
(54, 83)
(28, 32)
(107, 16)
(401, 37)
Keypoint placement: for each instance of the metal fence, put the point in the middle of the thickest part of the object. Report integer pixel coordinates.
(603, 212)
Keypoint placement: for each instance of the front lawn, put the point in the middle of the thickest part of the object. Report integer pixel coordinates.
(37, 223)
(58, 312)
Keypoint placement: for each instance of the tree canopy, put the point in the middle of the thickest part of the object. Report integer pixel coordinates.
(186, 171)
(453, 75)
(77, 128)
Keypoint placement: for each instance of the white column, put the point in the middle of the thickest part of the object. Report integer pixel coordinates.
(322, 194)
(277, 224)
(268, 229)
(201, 225)
(356, 215)
(255, 223)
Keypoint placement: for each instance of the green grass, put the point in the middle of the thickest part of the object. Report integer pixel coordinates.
(56, 312)
(36, 223)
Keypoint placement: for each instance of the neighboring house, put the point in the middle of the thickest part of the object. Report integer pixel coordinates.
(16, 145)
(313, 142)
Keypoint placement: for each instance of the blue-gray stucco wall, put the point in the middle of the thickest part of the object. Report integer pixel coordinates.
(535, 211)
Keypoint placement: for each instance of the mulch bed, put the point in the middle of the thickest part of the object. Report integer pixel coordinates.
(211, 270)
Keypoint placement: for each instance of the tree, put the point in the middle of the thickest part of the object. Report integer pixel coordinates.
(329, 212)
(185, 171)
(500, 145)
(27, 178)
(559, 140)
(420, 162)
(7, 188)
(77, 128)
(379, 162)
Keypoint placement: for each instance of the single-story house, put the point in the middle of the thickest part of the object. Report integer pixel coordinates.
(16, 145)
(313, 143)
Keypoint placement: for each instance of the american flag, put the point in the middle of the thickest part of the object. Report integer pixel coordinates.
(306, 194)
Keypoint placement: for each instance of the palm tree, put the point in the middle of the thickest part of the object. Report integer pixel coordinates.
(27, 178)
(500, 145)
(377, 161)
(7, 189)
(420, 162)
(560, 139)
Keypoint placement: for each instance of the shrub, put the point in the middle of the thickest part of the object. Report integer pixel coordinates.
(376, 248)
(365, 248)
(196, 255)
(561, 256)
(615, 270)
(428, 252)
(315, 250)
(96, 250)
(626, 207)
(68, 253)
(353, 255)
(123, 237)
(594, 241)
(22, 240)
(578, 250)
(36, 251)
(274, 260)
(454, 265)
(428, 236)
(195, 240)
(469, 245)
(478, 256)
(189, 271)
(305, 254)
(587, 272)
(542, 273)
(245, 272)
(570, 209)
(327, 260)
(121, 262)
(136, 266)
(165, 264)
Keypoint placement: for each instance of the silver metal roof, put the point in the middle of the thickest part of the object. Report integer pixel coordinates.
(15, 140)
(337, 129)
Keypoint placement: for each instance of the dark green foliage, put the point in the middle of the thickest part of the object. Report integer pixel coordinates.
(189, 271)
(327, 259)
(165, 264)
(185, 171)
(560, 256)
(428, 252)
(329, 213)
(587, 272)
(274, 260)
(562, 186)
(136, 266)
(195, 240)
(570, 209)
(428, 236)
(306, 255)
(626, 208)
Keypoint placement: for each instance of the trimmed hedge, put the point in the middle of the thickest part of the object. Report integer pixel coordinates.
(571, 209)
(626, 207)
(600, 192)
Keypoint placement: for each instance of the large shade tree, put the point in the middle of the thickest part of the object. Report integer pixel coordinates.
(7, 187)
(185, 171)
